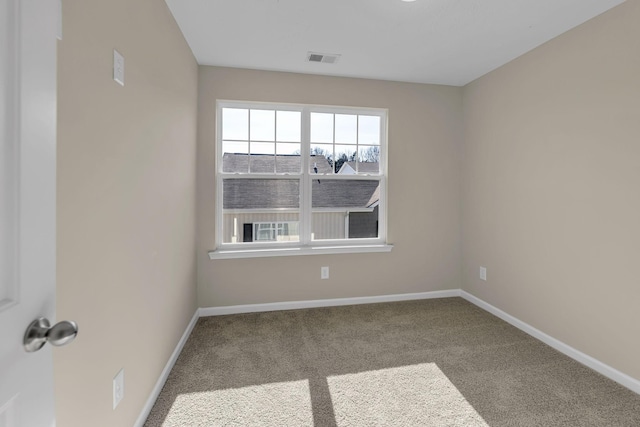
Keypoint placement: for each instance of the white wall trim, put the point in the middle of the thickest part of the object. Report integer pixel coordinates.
(146, 410)
(606, 370)
(294, 305)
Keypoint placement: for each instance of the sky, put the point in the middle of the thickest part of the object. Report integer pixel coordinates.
(258, 131)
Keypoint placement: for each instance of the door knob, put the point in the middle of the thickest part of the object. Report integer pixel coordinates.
(40, 332)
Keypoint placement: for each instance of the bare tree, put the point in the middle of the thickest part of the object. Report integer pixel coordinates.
(370, 155)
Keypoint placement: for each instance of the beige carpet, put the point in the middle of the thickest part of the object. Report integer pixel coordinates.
(422, 363)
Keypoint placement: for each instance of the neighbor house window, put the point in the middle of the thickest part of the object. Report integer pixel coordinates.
(300, 175)
(275, 231)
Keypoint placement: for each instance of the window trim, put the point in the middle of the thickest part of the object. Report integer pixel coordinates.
(298, 250)
(305, 246)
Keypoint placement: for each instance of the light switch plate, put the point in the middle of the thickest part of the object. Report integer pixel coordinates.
(118, 388)
(118, 67)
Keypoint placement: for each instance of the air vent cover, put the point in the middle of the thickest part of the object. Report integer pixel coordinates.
(326, 58)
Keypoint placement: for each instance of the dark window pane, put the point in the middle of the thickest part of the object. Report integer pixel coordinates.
(363, 225)
(247, 228)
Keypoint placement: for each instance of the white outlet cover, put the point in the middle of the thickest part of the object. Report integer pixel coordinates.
(483, 273)
(118, 67)
(324, 272)
(118, 388)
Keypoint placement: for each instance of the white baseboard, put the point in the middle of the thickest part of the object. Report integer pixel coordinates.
(606, 370)
(165, 373)
(294, 305)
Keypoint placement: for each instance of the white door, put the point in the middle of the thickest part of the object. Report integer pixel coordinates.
(28, 31)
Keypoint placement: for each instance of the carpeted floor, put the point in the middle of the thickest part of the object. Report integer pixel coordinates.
(438, 362)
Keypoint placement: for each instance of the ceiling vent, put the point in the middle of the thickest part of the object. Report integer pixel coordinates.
(325, 58)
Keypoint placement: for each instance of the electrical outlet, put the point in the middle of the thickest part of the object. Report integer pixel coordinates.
(483, 273)
(118, 388)
(324, 272)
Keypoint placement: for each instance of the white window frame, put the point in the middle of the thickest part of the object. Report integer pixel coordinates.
(305, 246)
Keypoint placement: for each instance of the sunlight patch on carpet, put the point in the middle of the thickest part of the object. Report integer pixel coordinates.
(274, 404)
(416, 395)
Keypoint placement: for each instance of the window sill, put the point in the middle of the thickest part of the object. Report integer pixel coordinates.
(307, 250)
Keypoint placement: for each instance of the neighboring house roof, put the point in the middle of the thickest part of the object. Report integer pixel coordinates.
(349, 168)
(321, 163)
(375, 198)
(265, 163)
(283, 193)
(346, 169)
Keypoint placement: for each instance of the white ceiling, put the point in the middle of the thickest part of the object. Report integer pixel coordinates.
(449, 42)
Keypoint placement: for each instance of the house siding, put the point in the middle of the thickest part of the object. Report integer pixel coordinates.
(326, 225)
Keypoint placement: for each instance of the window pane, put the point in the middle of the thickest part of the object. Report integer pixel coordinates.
(239, 227)
(247, 202)
(262, 159)
(369, 130)
(288, 158)
(346, 128)
(235, 147)
(288, 148)
(345, 154)
(263, 125)
(235, 156)
(321, 127)
(235, 123)
(344, 209)
(262, 163)
(288, 164)
(369, 159)
(264, 194)
(263, 148)
(277, 231)
(321, 158)
(268, 139)
(288, 126)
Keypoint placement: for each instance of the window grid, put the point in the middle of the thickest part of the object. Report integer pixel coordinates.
(304, 175)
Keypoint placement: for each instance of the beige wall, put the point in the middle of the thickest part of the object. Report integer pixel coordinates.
(547, 176)
(424, 193)
(551, 195)
(126, 204)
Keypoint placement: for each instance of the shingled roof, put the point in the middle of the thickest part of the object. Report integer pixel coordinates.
(283, 193)
(363, 167)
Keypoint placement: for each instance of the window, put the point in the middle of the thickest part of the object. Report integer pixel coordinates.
(275, 231)
(299, 176)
